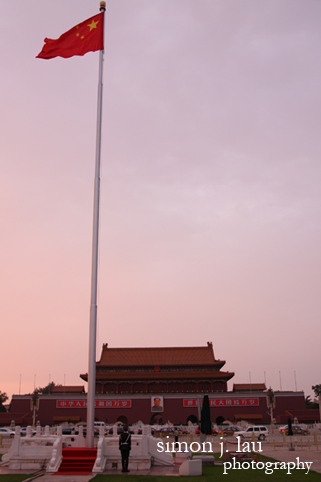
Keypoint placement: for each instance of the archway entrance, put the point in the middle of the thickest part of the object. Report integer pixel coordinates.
(122, 419)
(192, 419)
(156, 419)
(219, 420)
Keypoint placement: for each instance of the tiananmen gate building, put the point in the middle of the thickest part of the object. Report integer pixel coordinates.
(157, 385)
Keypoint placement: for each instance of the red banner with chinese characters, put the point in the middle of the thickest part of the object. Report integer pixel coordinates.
(98, 404)
(233, 402)
(189, 403)
(225, 402)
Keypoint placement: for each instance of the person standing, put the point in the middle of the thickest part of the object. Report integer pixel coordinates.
(176, 438)
(124, 447)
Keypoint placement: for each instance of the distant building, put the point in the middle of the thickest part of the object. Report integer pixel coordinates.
(67, 389)
(249, 387)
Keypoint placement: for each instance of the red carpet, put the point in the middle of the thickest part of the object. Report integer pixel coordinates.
(77, 461)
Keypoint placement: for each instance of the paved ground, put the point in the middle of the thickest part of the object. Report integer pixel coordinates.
(285, 455)
(65, 478)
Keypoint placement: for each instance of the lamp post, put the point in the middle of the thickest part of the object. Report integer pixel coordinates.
(270, 402)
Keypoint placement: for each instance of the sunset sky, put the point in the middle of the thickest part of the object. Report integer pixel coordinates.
(210, 187)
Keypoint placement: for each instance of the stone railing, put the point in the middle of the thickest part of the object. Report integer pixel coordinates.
(56, 454)
(40, 451)
(143, 452)
(30, 452)
(45, 451)
(64, 441)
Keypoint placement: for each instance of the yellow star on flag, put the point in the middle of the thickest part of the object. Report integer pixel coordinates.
(92, 25)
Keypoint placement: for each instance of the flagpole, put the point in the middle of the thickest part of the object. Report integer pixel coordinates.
(94, 269)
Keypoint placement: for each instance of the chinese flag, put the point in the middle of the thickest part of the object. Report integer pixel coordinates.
(88, 36)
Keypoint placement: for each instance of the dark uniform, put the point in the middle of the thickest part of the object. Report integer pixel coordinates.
(124, 447)
(176, 438)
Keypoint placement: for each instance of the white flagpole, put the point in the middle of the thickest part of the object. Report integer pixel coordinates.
(94, 269)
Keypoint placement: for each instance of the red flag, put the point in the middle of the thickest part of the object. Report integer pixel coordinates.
(88, 36)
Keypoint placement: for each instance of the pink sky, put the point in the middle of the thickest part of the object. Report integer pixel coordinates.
(210, 203)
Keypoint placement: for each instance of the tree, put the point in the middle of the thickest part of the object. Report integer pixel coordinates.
(3, 398)
(206, 425)
(45, 390)
(310, 404)
(317, 390)
(35, 399)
